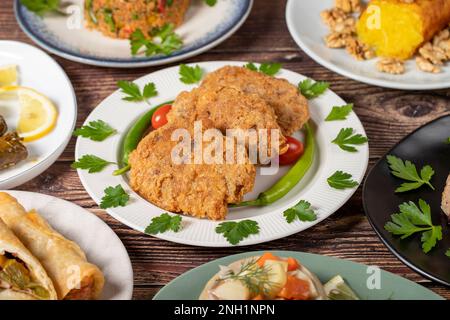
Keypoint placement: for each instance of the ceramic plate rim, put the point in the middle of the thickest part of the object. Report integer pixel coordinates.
(103, 62)
(129, 290)
(368, 80)
(362, 158)
(284, 253)
(60, 149)
(398, 254)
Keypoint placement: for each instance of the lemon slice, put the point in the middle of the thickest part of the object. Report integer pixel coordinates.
(37, 115)
(8, 75)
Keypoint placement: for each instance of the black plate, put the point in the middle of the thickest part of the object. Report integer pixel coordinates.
(424, 146)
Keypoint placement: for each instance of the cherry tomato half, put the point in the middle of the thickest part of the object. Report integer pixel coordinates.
(159, 118)
(294, 152)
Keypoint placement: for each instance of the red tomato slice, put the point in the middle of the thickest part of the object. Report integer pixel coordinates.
(294, 152)
(159, 118)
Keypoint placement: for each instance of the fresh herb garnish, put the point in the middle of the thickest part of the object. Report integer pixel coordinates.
(269, 69)
(97, 130)
(301, 211)
(109, 19)
(341, 180)
(345, 139)
(448, 253)
(253, 276)
(211, 3)
(133, 92)
(91, 163)
(448, 140)
(413, 219)
(164, 41)
(408, 171)
(164, 223)
(190, 75)
(340, 113)
(41, 6)
(114, 197)
(311, 90)
(235, 232)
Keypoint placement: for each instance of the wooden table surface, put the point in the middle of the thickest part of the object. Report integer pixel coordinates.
(387, 115)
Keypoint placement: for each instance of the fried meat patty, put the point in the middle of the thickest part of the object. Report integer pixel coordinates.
(227, 108)
(200, 190)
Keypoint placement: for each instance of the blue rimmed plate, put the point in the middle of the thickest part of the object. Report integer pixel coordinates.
(66, 36)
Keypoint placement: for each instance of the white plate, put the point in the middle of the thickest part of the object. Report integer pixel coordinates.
(314, 188)
(308, 30)
(101, 245)
(40, 72)
(204, 28)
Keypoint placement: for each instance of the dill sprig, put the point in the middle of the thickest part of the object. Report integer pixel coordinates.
(253, 276)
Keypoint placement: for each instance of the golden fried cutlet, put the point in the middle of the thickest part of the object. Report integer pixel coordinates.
(200, 190)
(227, 108)
(290, 107)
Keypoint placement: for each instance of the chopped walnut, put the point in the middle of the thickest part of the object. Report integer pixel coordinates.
(426, 66)
(346, 26)
(392, 66)
(337, 40)
(442, 42)
(359, 50)
(349, 6)
(333, 16)
(441, 36)
(445, 46)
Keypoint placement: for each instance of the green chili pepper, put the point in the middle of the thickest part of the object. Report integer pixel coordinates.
(134, 136)
(289, 180)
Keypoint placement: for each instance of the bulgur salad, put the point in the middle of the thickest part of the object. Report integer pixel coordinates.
(148, 24)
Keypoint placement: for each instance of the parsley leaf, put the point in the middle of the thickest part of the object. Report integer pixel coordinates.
(114, 197)
(408, 171)
(448, 253)
(311, 90)
(340, 113)
(133, 92)
(163, 223)
(447, 141)
(40, 6)
(211, 3)
(137, 41)
(341, 180)
(415, 219)
(91, 163)
(164, 41)
(270, 68)
(235, 232)
(95, 130)
(302, 211)
(345, 139)
(190, 75)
